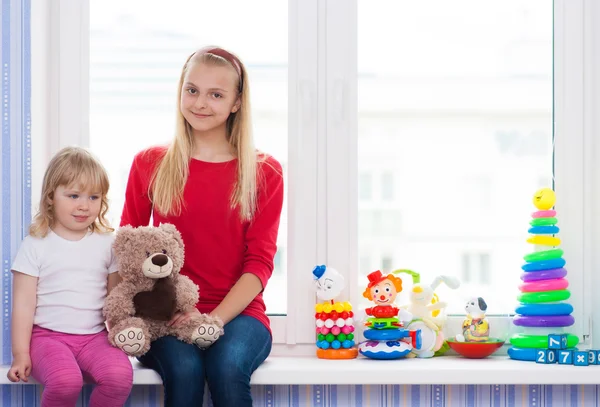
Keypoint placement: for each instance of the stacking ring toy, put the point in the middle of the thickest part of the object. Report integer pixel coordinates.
(337, 353)
(384, 350)
(544, 230)
(545, 255)
(386, 334)
(539, 341)
(526, 354)
(544, 320)
(544, 285)
(544, 265)
(543, 222)
(545, 309)
(544, 240)
(543, 274)
(544, 214)
(544, 296)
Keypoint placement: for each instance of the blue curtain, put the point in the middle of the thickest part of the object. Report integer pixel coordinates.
(15, 165)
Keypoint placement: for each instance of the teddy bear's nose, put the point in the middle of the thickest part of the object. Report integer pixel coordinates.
(160, 260)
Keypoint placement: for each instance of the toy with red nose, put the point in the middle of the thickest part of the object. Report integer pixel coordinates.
(386, 336)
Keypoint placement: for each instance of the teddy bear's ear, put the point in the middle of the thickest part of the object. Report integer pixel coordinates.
(172, 230)
(124, 235)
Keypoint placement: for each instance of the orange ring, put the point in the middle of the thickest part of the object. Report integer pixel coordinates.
(351, 353)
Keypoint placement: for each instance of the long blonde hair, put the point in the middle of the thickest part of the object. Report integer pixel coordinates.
(71, 166)
(168, 182)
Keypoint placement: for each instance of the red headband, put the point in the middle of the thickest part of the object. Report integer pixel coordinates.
(229, 57)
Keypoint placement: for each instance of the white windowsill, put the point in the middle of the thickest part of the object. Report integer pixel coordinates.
(279, 370)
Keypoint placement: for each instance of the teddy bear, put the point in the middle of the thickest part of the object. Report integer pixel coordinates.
(139, 308)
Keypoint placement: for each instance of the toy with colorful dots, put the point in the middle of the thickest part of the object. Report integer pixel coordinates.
(334, 320)
(386, 337)
(542, 308)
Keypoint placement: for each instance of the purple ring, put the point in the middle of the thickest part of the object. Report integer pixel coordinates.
(544, 274)
(544, 320)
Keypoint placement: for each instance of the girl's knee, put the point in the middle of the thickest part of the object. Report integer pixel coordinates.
(225, 375)
(64, 384)
(116, 376)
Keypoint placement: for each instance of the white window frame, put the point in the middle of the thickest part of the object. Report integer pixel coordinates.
(323, 173)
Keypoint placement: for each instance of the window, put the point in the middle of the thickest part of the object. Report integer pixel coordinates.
(476, 269)
(412, 136)
(136, 54)
(387, 186)
(365, 187)
(470, 132)
(387, 263)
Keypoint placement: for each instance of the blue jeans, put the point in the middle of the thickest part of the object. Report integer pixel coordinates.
(226, 366)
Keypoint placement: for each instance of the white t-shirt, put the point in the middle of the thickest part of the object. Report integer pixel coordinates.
(72, 280)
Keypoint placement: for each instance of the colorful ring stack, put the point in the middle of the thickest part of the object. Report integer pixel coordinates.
(384, 339)
(335, 325)
(544, 286)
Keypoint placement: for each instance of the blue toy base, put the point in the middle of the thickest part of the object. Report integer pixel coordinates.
(384, 350)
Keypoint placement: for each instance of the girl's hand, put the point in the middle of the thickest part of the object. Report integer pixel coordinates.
(182, 317)
(20, 369)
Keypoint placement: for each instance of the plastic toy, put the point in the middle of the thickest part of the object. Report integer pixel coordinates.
(426, 309)
(386, 336)
(474, 342)
(334, 320)
(544, 288)
(476, 327)
(476, 350)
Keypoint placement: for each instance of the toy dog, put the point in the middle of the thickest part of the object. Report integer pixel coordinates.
(475, 327)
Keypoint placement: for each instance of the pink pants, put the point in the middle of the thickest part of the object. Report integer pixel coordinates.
(61, 361)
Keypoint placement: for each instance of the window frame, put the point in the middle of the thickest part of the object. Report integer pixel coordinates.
(323, 128)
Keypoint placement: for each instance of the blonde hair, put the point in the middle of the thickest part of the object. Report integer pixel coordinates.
(170, 177)
(71, 165)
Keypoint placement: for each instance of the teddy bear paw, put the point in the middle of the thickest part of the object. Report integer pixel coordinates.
(130, 340)
(205, 335)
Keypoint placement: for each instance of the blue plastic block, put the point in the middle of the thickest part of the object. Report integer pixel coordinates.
(545, 356)
(540, 355)
(580, 358)
(557, 341)
(565, 357)
(592, 357)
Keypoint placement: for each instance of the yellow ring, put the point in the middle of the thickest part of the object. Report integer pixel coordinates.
(544, 240)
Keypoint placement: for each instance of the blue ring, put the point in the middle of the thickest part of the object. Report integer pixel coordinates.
(544, 309)
(544, 230)
(544, 265)
(386, 334)
(527, 354)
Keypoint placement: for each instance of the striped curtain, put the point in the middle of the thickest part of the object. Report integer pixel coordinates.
(427, 396)
(15, 166)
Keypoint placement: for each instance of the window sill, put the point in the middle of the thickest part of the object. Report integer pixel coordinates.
(306, 370)
(441, 370)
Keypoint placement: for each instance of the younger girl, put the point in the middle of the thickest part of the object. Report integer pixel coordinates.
(61, 276)
(225, 199)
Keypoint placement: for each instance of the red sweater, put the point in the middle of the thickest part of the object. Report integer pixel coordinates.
(219, 247)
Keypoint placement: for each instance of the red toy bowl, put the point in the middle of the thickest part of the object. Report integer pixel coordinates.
(475, 350)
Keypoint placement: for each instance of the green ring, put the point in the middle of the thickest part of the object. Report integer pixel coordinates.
(545, 255)
(543, 222)
(539, 341)
(544, 296)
